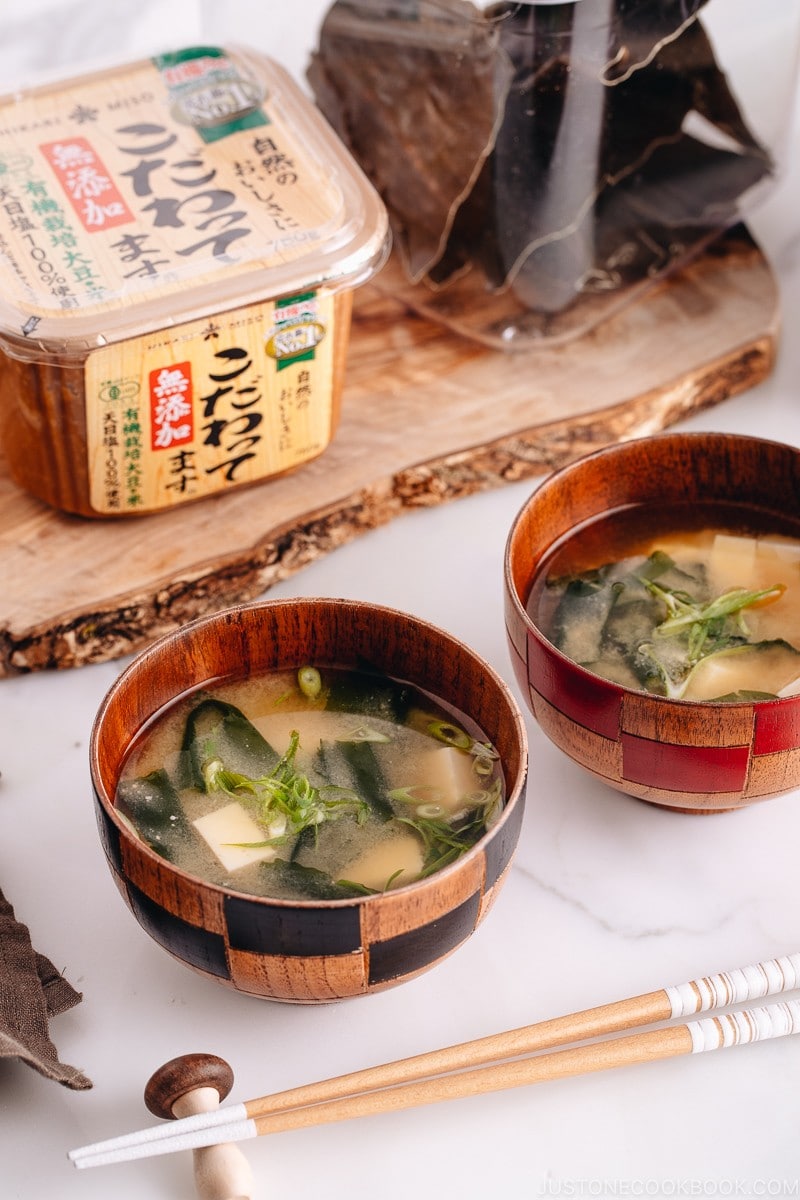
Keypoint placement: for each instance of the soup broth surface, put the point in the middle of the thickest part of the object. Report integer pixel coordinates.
(311, 784)
(693, 602)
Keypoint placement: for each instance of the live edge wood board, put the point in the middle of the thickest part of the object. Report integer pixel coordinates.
(427, 417)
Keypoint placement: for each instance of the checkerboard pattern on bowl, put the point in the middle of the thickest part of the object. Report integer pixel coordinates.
(308, 951)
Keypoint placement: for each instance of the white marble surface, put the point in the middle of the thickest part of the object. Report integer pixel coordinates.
(608, 898)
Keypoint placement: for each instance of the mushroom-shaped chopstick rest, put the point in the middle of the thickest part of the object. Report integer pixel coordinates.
(194, 1083)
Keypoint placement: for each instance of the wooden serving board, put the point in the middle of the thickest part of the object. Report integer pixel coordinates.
(427, 417)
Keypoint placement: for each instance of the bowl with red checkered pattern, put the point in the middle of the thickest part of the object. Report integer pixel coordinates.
(650, 592)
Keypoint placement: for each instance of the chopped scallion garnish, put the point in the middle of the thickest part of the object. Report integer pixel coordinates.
(286, 792)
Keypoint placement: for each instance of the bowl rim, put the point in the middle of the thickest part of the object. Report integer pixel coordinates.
(515, 794)
(573, 467)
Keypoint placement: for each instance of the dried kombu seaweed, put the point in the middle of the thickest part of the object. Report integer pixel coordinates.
(547, 156)
(561, 229)
(554, 149)
(410, 88)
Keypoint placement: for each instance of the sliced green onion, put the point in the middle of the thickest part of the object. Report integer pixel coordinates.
(485, 757)
(430, 810)
(285, 798)
(364, 733)
(395, 875)
(309, 681)
(452, 734)
(423, 793)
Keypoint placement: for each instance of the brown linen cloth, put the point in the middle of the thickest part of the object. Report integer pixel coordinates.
(31, 991)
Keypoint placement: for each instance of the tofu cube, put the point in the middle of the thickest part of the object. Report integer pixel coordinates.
(450, 773)
(732, 562)
(224, 828)
(397, 858)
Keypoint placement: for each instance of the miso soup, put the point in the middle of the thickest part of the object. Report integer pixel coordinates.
(692, 602)
(311, 784)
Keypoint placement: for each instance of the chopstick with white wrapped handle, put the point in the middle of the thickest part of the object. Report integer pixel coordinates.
(457, 1071)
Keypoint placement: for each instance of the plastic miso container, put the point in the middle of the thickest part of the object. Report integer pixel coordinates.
(179, 242)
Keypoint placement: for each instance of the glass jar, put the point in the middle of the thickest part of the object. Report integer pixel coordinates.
(543, 163)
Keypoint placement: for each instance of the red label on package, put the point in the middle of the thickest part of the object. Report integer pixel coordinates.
(88, 185)
(171, 416)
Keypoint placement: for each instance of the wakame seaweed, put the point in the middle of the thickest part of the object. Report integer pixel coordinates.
(654, 624)
(368, 692)
(152, 803)
(215, 729)
(355, 766)
(304, 883)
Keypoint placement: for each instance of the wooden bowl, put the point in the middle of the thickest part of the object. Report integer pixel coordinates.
(307, 951)
(688, 755)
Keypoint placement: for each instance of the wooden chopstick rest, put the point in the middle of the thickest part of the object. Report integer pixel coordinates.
(193, 1084)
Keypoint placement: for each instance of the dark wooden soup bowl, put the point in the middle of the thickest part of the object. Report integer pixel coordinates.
(698, 757)
(307, 951)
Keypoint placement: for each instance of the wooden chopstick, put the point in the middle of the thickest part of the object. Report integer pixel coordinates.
(460, 1070)
(711, 1033)
(747, 1025)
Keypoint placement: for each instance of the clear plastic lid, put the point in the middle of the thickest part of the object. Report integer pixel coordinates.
(143, 196)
